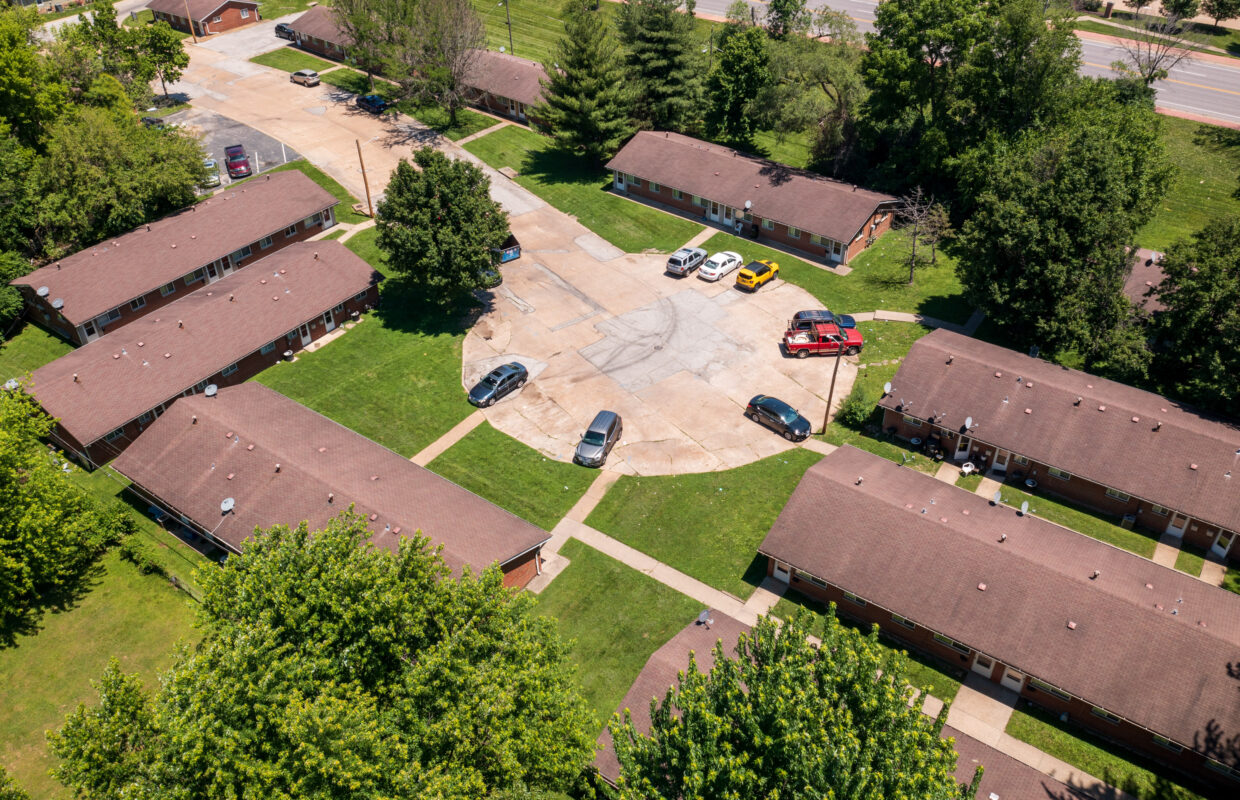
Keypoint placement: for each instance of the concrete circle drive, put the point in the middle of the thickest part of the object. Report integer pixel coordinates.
(677, 358)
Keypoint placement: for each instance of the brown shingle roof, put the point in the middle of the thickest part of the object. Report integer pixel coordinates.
(1004, 776)
(1146, 275)
(320, 23)
(505, 75)
(1150, 644)
(113, 272)
(192, 466)
(794, 197)
(1118, 447)
(125, 374)
(198, 9)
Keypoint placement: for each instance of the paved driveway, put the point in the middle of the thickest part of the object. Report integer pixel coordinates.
(245, 43)
(218, 132)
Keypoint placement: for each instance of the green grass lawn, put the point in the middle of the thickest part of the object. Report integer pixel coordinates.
(290, 59)
(366, 245)
(793, 150)
(1191, 559)
(886, 340)
(579, 187)
(1227, 39)
(1120, 33)
(28, 349)
(870, 436)
(146, 17)
(1116, 766)
(513, 476)
(270, 9)
(1206, 185)
(923, 671)
(352, 80)
(436, 118)
(709, 524)
(344, 212)
(879, 278)
(1082, 520)
(1231, 579)
(616, 618)
(139, 619)
(969, 482)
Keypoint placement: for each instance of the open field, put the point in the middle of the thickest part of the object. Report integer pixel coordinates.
(290, 59)
(28, 349)
(1206, 185)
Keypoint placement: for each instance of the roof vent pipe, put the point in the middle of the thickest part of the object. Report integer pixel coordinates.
(330, 497)
(277, 467)
(193, 420)
(1003, 538)
(859, 480)
(1094, 577)
(75, 380)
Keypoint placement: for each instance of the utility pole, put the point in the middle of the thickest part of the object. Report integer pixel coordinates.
(826, 417)
(190, 20)
(508, 14)
(366, 183)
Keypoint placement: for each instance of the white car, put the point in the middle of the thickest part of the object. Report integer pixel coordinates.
(719, 265)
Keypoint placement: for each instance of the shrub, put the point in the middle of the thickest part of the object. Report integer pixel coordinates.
(136, 553)
(1091, 5)
(857, 407)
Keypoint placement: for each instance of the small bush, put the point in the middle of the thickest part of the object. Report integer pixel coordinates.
(136, 553)
(1091, 5)
(857, 407)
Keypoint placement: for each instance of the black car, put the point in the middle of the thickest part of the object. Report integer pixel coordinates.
(373, 103)
(778, 416)
(285, 32)
(498, 383)
(152, 122)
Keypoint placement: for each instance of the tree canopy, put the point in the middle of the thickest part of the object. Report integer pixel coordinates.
(664, 63)
(334, 669)
(736, 85)
(786, 718)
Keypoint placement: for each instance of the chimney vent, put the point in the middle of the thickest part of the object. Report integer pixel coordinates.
(193, 420)
(180, 324)
(981, 587)
(1158, 425)
(1136, 419)
(1028, 410)
(1102, 408)
(1071, 625)
(75, 378)
(374, 477)
(1192, 466)
(1094, 577)
(228, 435)
(330, 497)
(1003, 538)
(277, 467)
(859, 480)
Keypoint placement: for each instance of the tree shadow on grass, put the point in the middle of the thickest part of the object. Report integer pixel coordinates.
(755, 573)
(404, 308)
(551, 165)
(27, 621)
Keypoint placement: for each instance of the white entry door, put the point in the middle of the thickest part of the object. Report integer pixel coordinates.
(983, 665)
(1223, 543)
(714, 211)
(1012, 679)
(1001, 461)
(1177, 524)
(781, 572)
(89, 331)
(226, 266)
(304, 330)
(962, 446)
(329, 321)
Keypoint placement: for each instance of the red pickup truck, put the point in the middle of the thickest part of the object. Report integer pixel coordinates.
(822, 338)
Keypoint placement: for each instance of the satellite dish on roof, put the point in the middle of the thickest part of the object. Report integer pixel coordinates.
(1024, 507)
(42, 291)
(210, 390)
(10, 384)
(227, 505)
(968, 422)
(887, 387)
(58, 303)
(997, 498)
(704, 618)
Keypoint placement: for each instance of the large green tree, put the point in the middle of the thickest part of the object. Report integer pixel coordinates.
(664, 62)
(102, 173)
(9, 790)
(1219, 10)
(30, 98)
(439, 227)
(1198, 332)
(12, 266)
(784, 17)
(333, 669)
(586, 100)
(1044, 252)
(786, 718)
(51, 531)
(164, 52)
(15, 162)
(736, 85)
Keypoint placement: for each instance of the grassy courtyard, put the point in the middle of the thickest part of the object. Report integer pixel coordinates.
(138, 619)
(1190, 559)
(28, 349)
(616, 617)
(879, 278)
(869, 436)
(513, 476)
(1206, 185)
(580, 188)
(290, 59)
(1098, 526)
(709, 524)
(1115, 765)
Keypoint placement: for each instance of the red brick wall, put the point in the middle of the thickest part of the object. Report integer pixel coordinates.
(101, 451)
(320, 47)
(521, 571)
(1078, 711)
(230, 17)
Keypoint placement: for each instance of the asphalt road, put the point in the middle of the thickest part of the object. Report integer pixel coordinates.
(219, 132)
(1197, 87)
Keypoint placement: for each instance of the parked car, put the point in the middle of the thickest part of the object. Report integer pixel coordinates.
(599, 439)
(804, 320)
(306, 77)
(237, 161)
(719, 265)
(824, 339)
(152, 122)
(757, 273)
(285, 32)
(373, 103)
(685, 260)
(213, 173)
(498, 384)
(778, 416)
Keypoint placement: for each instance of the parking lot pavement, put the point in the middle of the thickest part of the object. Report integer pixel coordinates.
(219, 132)
(245, 43)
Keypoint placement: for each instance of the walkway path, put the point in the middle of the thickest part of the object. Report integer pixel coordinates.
(479, 134)
(458, 432)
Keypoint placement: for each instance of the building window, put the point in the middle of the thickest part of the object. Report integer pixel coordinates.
(1051, 690)
(193, 277)
(677, 194)
(816, 239)
(114, 435)
(110, 316)
(854, 599)
(137, 304)
(290, 231)
(1167, 743)
(1219, 767)
(793, 233)
(1024, 462)
(816, 581)
(768, 224)
(952, 643)
(636, 181)
(912, 421)
(265, 242)
(1060, 474)
(654, 187)
(229, 370)
(311, 221)
(905, 621)
(699, 201)
(338, 309)
(240, 254)
(360, 296)
(245, 13)
(1160, 510)
(267, 348)
(146, 418)
(1116, 494)
(217, 19)
(1104, 714)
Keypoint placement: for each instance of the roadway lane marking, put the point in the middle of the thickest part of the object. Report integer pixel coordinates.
(1173, 80)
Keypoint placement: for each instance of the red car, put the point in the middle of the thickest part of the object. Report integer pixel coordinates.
(237, 161)
(822, 338)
